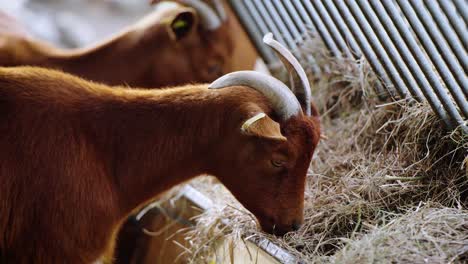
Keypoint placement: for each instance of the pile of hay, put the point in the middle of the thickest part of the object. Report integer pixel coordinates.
(388, 185)
(428, 234)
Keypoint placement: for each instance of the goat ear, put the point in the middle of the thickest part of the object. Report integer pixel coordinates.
(182, 24)
(261, 125)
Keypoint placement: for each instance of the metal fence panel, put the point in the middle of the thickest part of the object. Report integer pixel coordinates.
(418, 47)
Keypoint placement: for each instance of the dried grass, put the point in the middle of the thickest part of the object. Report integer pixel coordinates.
(427, 234)
(389, 185)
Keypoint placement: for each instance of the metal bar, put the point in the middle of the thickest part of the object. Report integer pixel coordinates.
(439, 63)
(455, 21)
(249, 20)
(448, 33)
(373, 25)
(305, 17)
(343, 29)
(345, 33)
(308, 26)
(413, 45)
(250, 8)
(359, 22)
(256, 28)
(323, 13)
(297, 36)
(287, 19)
(258, 6)
(365, 46)
(418, 46)
(462, 8)
(280, 24)
(322, 30)
(296, 18)
(415, 59)
(442, 43)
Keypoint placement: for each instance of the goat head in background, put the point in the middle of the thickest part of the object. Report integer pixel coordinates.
(173, 45)
(203, 36)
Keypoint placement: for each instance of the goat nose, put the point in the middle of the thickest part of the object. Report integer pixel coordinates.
(296, 225)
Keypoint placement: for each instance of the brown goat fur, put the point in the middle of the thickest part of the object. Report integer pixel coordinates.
(159, 53)
(77, 157)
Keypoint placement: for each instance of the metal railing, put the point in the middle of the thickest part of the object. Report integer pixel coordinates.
(418, 46)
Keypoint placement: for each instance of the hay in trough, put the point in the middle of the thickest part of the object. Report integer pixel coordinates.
(388, 185)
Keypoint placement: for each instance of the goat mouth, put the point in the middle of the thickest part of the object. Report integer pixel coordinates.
(276, 230)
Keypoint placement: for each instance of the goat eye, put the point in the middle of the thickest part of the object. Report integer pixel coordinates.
(277, 163)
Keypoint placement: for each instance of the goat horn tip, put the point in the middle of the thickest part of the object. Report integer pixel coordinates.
(268, 38)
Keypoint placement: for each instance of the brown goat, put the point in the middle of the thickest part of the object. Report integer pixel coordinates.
(173, 45)
(77, 157)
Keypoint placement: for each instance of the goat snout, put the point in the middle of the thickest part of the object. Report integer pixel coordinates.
(296, 225)
(281, 229)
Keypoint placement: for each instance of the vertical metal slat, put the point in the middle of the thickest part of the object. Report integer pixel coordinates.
(439, 63)
(364, 44)
(303, 14)
(258, 5)
(462, 7)
(448, 33)
(429, 27)
(295, 17)
(343, 29)
(415, 59)
(375, 26)
(322, 30)
(282, 27)
(455, 20)
(250, 8)
(287, 21)
(252, 28)
(298, 37)
(420, 57)
(376, 46)
(323, 13)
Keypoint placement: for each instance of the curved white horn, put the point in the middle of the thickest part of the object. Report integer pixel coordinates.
(220, 9)
(283, 100)
(300, 83)
(207, 15)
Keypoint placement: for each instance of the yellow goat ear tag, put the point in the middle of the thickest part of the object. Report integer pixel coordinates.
(252, 120)
(262, 126)
(179, 24)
